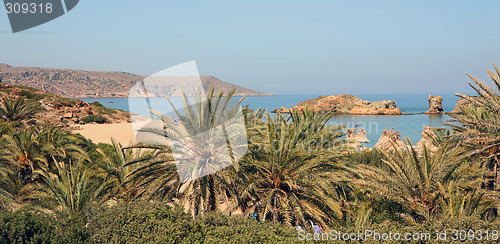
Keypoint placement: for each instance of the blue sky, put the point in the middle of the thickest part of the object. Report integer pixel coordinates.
(280, 47)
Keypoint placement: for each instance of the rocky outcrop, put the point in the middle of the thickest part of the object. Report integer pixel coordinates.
(435, 105)
(58, 110)
(387, 107)
(72, 112)
(460, 104)
(5, 86)
(346, 104)
(390, 140)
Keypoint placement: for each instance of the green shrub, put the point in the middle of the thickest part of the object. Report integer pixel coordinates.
(29, 88)
(219, 228)
(142, 222)
(103, 109)
(372, 158)
(459, 224)
(149, 222)
(25, 227)
(94, 118)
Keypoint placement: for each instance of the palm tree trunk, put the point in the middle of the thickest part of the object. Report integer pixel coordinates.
(211, 196)
(495, 168)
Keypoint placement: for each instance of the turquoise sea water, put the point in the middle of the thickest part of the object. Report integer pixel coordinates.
(409, 125)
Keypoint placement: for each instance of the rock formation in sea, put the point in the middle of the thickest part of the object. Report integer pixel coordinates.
(460, 104)
(435, 105)
(346, 104)
(390, 140)
(428, 138)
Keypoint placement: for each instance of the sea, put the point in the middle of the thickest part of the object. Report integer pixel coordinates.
(410, 126)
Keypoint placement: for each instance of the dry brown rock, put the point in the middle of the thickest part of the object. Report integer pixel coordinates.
(80, 103)
(5, 86)
(435, 105)
(387, 107)
(283, 110)
(460, 104)
(346, 104)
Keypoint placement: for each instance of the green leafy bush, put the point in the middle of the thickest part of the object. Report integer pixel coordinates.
(103, 109)
(219, 228)
(25, 227)
(158, 223)
(31, 96)
(94, 118)
(464, 224)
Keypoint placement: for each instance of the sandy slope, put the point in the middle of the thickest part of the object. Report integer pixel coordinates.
(121, 132)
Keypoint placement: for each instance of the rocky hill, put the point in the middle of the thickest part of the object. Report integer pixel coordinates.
(96, 84)
(63, 111)
(347, 104)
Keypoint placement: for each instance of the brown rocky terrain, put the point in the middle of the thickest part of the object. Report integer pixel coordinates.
(63, 111)
(460, 104)
(347, 104)
(435, 105)
(96, 84)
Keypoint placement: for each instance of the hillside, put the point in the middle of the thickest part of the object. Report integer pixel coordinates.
(96, 84)
(60, 110)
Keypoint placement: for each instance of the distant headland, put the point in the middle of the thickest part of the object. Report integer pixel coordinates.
(97, 84)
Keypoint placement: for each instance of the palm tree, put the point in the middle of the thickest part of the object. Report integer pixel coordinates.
(22, 148)
(69, 190)
(478, 127)
(59, 144)
(457, 202)
(8, 191)
(418, 180)
(193, 169)
(17, 109)
(287, 180)
(114, 174)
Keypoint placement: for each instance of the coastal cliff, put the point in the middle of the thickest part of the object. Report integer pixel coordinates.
(346, 104)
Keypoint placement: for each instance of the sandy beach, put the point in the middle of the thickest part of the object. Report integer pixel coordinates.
(121, 132)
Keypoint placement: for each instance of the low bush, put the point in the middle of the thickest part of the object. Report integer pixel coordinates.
(31, 96)
(94, 118)
(29, 226)
(158, 223)
(103, 109)
(25, 227)
(457, 230)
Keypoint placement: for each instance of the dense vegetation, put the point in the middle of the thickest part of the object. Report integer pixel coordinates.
(56, 186)
(94, 118)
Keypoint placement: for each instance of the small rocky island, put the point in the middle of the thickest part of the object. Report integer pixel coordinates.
(435, 105)
(349, 104)
(346, 104)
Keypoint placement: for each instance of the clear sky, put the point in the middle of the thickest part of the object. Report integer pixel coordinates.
(280, 47)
